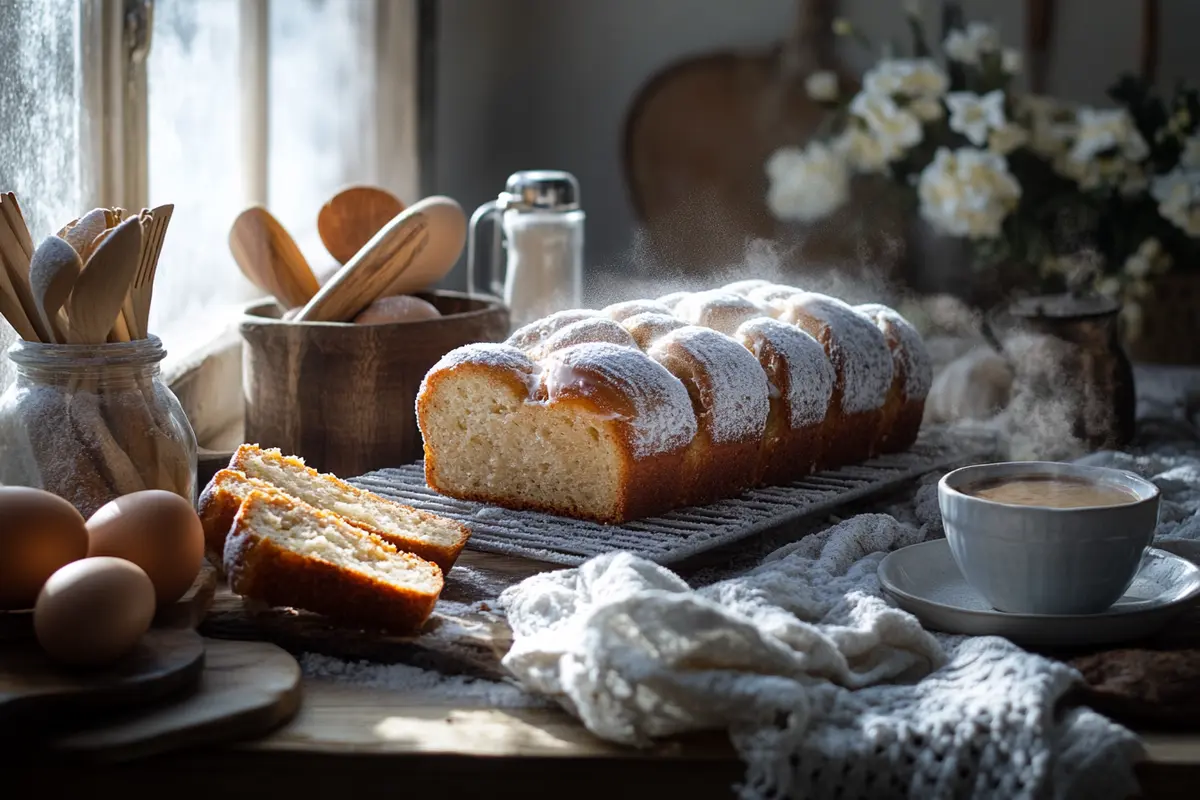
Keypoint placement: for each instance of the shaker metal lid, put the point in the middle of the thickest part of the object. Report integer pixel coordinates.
(543, 189)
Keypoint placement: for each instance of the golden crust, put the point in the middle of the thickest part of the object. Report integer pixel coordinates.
(218, 507)
(703, 471)
(261, 569)
(442, 555)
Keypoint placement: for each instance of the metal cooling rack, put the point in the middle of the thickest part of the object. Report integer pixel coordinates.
(685, 533)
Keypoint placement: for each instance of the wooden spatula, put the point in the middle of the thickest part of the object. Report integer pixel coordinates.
(100, 289)
(52, 275)
(15, 252)
(269, 257)
(137, 304)
(374, 269)
(353, 216)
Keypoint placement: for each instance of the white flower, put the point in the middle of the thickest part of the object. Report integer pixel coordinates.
(1190, 157)
(862, 150)
(1139, 289)
(1132, 319)
(1178, 196)
(1147, 259)
(973, 116)
(822, 86)
(1109, 286)
(1137, 266)
(808, 184)
(1052, 125)
(967, 192)
(907, 77)
(1110, 132)
(895, 128)
(1011, 61)
(1006, 138)
(968, 46)
(926, 109)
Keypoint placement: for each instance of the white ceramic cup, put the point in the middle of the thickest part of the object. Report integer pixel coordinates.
(1042, 560)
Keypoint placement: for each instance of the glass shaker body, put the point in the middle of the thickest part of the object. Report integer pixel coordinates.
(544, 262)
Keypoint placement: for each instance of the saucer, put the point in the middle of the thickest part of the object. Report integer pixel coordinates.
(924, 580)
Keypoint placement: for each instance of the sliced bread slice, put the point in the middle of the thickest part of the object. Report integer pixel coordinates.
(219, 504)
(429, 536)
(284, 552)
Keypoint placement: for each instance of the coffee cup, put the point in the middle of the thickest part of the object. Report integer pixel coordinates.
(1048, 538)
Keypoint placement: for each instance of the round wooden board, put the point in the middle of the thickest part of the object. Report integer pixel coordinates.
(38, 695)
(187, 612)
(247, 690)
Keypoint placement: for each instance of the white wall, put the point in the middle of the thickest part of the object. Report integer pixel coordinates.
(527, 84)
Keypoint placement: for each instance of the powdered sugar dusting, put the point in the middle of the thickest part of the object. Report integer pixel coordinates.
(662, 421)
(649, 328)
(856, 347)
(745, 287)
(910, 352)
(593, 329)
(720, 310)
(413, 680)
(733, 389)
(672, 299)
(810, 375)
(530, 336)
(623, 311)
(774, 297)
(489, 354)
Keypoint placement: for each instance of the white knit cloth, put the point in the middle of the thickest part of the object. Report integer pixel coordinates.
(827, 690)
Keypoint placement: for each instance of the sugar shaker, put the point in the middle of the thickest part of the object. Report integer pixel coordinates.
(541, 227)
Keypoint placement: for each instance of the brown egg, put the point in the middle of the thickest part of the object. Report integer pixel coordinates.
(93, 611)
(398, 308)
(39, 532)
(159, 531)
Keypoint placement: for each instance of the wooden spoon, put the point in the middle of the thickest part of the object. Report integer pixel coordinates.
(81, 233)
(373, 270)
(102, 285)
(269, 257)
(447, 237)
(353, 216)
(52, 275)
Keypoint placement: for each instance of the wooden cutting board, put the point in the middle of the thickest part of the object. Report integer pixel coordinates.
(38, 695)
(247, 690)
(697, 139)
(451, 642)
(462, 637)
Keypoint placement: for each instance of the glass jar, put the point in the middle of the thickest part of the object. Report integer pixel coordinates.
(91, 423)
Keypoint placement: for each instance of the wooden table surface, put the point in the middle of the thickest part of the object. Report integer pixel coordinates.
(383, 741)
(379, 742)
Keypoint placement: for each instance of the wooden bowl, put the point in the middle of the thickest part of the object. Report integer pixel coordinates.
(343, 396)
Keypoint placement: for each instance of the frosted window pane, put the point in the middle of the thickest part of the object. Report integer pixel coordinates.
(39, 118)
(194, 163)
(321, 131)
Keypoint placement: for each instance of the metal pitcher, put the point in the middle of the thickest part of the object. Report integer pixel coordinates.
(1067, 348)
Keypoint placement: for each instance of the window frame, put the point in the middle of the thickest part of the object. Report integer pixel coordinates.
(114, 42)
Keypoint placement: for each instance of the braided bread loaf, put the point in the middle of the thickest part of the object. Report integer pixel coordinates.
(649, 405)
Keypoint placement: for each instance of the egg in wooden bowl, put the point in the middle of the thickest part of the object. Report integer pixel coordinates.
(39, 533)
(158, 531)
